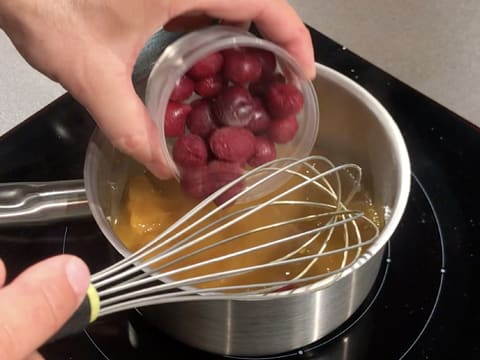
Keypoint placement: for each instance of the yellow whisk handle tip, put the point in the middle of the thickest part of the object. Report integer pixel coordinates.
(94, 300)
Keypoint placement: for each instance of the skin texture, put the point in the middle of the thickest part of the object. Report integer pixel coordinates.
(90, 48)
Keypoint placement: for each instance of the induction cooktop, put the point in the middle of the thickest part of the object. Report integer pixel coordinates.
(424, 304)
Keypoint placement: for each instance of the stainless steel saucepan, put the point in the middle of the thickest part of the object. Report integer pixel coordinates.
(354, 127)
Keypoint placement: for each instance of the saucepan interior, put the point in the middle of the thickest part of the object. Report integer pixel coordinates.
(354, 128)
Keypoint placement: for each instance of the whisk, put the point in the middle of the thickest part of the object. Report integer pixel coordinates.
(169, 268)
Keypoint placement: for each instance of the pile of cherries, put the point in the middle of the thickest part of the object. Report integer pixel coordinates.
(243, 108)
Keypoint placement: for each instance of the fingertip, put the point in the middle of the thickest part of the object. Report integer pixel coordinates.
(307, 63)
(303, 51)
(311, 71)
(160, 170)
(158, 163)
(311, 68)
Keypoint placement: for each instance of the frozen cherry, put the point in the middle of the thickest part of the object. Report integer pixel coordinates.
(260, 120)
(267, 60)
(232, 144)
(195, 182)
(283, 130)
(283, 100)
(224, 171)
(234, 106)
(220, 174)
(259, 88)
(202, 181)
(264, 152)
(201, 121)
(209, 86)
(183, 89)
(228, 194)
(175, 116)
(189, 151)
(241, 66)
(208, 66)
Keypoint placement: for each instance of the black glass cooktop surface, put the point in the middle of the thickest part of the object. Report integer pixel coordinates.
(424, 304)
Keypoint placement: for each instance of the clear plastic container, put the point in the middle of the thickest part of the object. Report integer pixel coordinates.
(182, 54)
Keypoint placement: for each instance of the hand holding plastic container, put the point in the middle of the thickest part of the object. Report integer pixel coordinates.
(225, 101)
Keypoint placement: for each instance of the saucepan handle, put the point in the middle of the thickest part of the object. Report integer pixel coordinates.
(38, 202)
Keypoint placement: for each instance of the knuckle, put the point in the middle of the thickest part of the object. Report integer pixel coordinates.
(135, 145)
(48, 311)
(301, 31)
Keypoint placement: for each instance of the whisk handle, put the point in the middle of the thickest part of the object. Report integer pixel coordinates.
(86, 313)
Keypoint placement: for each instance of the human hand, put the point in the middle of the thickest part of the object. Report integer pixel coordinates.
(91, 46)
(37, 303)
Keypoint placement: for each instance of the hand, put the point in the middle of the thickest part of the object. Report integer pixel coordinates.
(90, 47)
(37, 303)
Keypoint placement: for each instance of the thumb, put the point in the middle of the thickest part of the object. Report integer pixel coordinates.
(37, 303)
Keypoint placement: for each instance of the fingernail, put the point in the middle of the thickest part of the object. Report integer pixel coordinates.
(78, 276)
(311, 70)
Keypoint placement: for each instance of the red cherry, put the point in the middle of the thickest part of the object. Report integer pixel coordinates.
(189, 151)
(175, 116)
(201, 121)
(234, 106)
(232, 144)
(260, 120)
(267, 60)
(208, 66)
(202, 181)
(283, 131)
(283, 100)
(264, 152)
(220, 174)
(240, 66)
(259, 88)
(209, 86)
(195, 183)
(183, 89)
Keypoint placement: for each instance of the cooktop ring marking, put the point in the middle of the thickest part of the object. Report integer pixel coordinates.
(442, 269)
(64, 239)
(96, 346)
